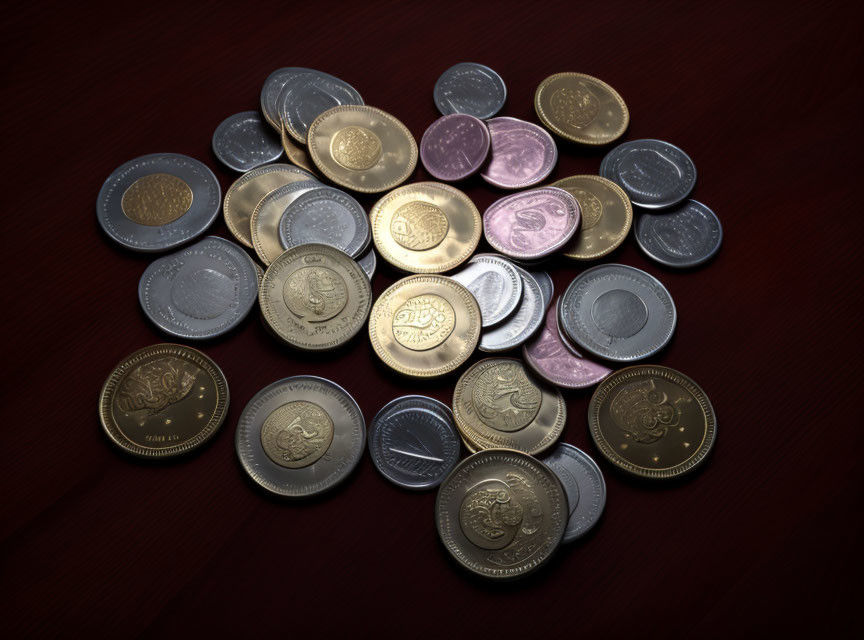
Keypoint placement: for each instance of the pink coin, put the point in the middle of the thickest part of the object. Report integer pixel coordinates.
(531, 224)
(522, 154)
(454, 147)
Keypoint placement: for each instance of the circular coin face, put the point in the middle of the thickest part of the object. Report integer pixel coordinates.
(652, 421)
(454, 147)
(521, 154)
(267, 216)
(244, 141)
(495, 284)
(470, 88)
(328, 216)
(688, 236)
(654, 174)
(305, 97)
(584, 485)
(520, 326)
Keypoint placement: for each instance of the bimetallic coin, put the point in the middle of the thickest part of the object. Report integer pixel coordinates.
(581, 108)
(243, 141)
(163, 400)
(652, 421)
(368, 262)
(329, 216)
(305, 97)
(521, 154)
(584, 485)
(520, 326)
(454, 147)
(300, 436)
(653, 174)
(271, 89)
(547, 287)
(295, 153)
(495, 284)
(267, 216)
(688, 236)
(471, 88)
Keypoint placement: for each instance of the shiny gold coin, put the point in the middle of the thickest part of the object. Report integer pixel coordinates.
(581, 108)
(315, 297)
(426, 227)
(362, 148)
(652, 421)
(264, 222)
(156, 199)
(297, 434)
(498, 404)
(425, 326)
(501, 514)
(163, 400)
(607, 216)
(295, 153)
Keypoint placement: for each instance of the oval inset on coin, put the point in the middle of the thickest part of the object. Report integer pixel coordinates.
(490, 515)
(423, 322)
(156, 199)
(504, 397)
(204, 294)
(419, 225)
(297, 434)
(355, 148)
(315, 294)
(619, 313)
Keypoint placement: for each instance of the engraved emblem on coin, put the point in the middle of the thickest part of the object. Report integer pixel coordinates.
(505, 398)
(315, 294)
(643, 412)
(154, 386)
(423, 322)
(576, 107)
(488, 286)
(297, 434)
(203, 294)
(355, 148)
(419, 225)
(156, 199)
(528, 222)
(645, 170)
(619, 313)
(490, 515)
(592, 208)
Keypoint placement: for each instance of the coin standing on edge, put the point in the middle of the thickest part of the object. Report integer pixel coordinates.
(584, 485)
(521, 154)
(327, 216)
(267, 216)
(522, 324)
(654, 174)
(454, 147)
(495, 284)
(581, 108)
(470, 88)
(687, 236)
(244, 141)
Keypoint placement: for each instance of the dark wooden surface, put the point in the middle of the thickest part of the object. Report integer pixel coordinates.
(767, 101)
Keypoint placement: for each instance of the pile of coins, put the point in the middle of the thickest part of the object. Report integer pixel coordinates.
(504, 509)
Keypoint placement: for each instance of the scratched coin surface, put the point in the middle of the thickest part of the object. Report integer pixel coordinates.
(584, 485)
(468, 87)
(454, 147)
(267, 216)
(296, 153)
(495, 284)
(652, 421)
(521, 154)
(270, 92)
(368, 262)
(686, 236)
(522, 324)
(244, 141)
(163, 400)
(654, 174)
(329, 216)
(306, 96)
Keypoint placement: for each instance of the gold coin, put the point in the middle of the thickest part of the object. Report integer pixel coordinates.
(297, 434)
(247, 191)
(606, 216)
(497, 404)
(426, 227)
(362, 148)
(264, 222)
(156, 199)
(581, 108)
(295, 153)
(315, 297)
(425, 325)
(501, 514)
(163, 400)
(652, 421)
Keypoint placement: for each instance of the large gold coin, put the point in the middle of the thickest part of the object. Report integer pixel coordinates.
(426, 227)
(501, 514)
(295, 153)
(425, 325)
(362, 148)
(581, 108)
(652, 421)
(264, 222)
(163, 400)
(315, 297)
(607, 216)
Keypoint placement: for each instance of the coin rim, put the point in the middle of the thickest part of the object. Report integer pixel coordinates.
(590, 462)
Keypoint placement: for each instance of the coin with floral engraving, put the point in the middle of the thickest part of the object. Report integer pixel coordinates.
(495, 284)
(686, 236)
(522, 154)
(654, 174)
(244, 141)
(329, 216)
(468, 87)
(306, 96)
(454, 147)
(267, 216)
(584, 485)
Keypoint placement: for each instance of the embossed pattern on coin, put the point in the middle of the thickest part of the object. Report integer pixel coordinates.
(470, 88)
(454, 147)
(156, 199)
(522, 324)
(584, 485)
(687, 236)
(521, 154)
(495, 284)
(328, 216)
(297, 434)
(243, 141)
(653, 173)
(581, 108)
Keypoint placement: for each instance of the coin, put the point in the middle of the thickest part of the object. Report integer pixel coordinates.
(362, 148)
(300, 436)
(163, 400)
(495, 284)
(521, 154)
(158, 202)
(454, 147)
(652, 421)
(470, 88)
(315, 297)
(565, 340)
(329, 216)
(547, 287)
(425, 326)
(271, 89)
(368, 262)
(606, 216)
(267, 215)
(531, 224)
(584, 485)
(653, 174)
(581, 108)
(520, 326)
(425, 227)
(243, 141)
(413, 443)
(295, 153)
(501, 514)
(687, 236)
(305, 97)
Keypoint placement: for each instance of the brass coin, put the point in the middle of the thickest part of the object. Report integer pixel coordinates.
(297, 434)
(156, 199)
(501, 514)
(425, 325)
(163, 400)
(264, 222)
(295, 153)
(498, 404)
(652, 421)
(315, 297)
(362, 148)
(581, 108)
(426, 227)
(607, 216)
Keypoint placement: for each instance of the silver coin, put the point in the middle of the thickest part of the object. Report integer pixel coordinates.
(654, 174)
(523, 324)
(688, 236)
(583, 482)
(296, 417)
(271, 89)
(327, 216)
(618, 313)
(198, 192)
(495, 284)
(564, 339)
(470, 88)
(243, 141)
(547, 287)
(413, 442)
(304, 97)
(368, 262)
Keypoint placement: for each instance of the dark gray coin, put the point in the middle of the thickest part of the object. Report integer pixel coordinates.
(244, 141)
(327, 216)
(413, 442)
(271, 89)
(523, 324)
(688, 236)
(583, 482)
(470, 88)
(653, 173)
(368, 262)
(495, 284)
(547, 287)
(304, 97)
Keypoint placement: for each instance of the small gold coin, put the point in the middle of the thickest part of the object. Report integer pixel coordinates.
(607, 216)
(652, 421)
(295, 153)
(425, 326)
(264, 222)
(426, 227)
(581, 108)
(163, 400)
(362, 148)
(156, 199)
(315, 297)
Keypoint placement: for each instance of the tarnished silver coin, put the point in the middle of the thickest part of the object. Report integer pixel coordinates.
(271, 89)
(584, 485)
(654, 174)
(547, 287)
(495, 284)
(327, 216)
(244, 141)
(523, 324)
(306, 96)
(300, 436)
(201, 291)
(368, 262)
(618, 313)
(470, 88)
(413, 442)
(687, 236)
